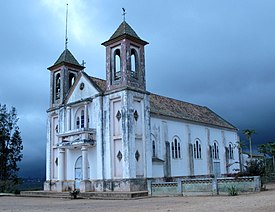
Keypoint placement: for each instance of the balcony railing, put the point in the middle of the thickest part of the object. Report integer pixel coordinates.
(77, 137)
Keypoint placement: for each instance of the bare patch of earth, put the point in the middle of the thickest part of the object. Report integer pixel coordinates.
(263, 202)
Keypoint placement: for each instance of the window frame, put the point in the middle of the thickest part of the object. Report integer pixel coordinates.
(215, 151)
(116, 57)
(57, 89)
(197, 149)
(176, 148)
(154, 146)
(134, 63)
(82, 119)
(230, 151)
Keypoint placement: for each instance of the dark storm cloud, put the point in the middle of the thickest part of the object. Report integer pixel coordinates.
(220, 54)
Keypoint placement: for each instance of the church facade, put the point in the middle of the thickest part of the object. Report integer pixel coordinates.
(114, 135)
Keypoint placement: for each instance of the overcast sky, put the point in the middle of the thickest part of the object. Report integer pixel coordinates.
(215, 53)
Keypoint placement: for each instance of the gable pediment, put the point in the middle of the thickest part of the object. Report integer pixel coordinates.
(83, 88)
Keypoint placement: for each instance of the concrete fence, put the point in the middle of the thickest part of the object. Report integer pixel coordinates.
(204, 186)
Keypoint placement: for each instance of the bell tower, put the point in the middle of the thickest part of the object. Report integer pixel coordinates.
(127, 132)
(63, 74)
(125, 63)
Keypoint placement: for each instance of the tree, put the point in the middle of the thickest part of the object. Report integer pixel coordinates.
(248, 134)
(268, 149)
(240, 145)
(10, 149)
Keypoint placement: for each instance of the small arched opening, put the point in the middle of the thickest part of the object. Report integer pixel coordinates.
(117, 64)
(71, 79)
(57, 86)
(134, 63)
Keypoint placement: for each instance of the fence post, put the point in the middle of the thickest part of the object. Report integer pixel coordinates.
(179, 187)
(215, 189)
(149, 187)
(257, 183)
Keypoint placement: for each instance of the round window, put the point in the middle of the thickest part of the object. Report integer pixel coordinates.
(81, 87)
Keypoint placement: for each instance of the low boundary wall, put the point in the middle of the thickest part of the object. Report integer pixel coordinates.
(204, 186)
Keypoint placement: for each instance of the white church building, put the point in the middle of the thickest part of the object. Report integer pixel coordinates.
(114, 135)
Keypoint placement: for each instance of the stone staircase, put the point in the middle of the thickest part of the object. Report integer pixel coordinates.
(87, 195)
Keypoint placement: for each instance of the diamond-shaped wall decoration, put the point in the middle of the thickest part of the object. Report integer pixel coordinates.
(56, 161)
(118, 115)
(56, 128)
(136, 115)
(137, 155)
(119, 155)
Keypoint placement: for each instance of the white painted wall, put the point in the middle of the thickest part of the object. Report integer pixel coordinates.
(157, 170)
(180, 130)
(102, 158)
(88, 91)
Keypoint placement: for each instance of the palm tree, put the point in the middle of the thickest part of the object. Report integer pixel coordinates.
(248, 133)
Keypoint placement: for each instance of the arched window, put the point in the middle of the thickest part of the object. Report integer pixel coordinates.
(176, 149)
(71, 79)
(215, 150)
(80, 118)
(154, 146)
(230, 149)
(134, 63)
(153, 149)
(197, 149)
(77, 123)
(117, 64)
(57, 86)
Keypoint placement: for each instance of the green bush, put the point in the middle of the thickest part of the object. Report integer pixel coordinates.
(232, 191)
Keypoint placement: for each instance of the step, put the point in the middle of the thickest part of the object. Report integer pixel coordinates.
(87, 195)
(114, 195)
(51, 194)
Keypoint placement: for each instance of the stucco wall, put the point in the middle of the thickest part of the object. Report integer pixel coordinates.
(188, 133)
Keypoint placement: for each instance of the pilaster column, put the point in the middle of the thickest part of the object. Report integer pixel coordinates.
(61, 164)
(68, 118)
(86, 115)
(84, 151)
(49, 150)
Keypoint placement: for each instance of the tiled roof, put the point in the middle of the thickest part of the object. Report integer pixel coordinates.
(165, 106)
(67, 57)
(124, 29)
(99, 82)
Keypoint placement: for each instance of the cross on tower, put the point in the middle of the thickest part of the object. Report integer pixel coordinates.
(123, 13)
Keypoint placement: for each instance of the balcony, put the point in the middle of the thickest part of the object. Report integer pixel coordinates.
(77, 138)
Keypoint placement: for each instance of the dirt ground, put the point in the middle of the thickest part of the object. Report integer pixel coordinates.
(263, 201)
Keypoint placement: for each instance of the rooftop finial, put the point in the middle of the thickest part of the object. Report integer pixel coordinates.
(123, 13)
(66, 33)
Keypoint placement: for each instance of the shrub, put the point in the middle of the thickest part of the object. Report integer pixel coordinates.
(232, 191)
(254, 167)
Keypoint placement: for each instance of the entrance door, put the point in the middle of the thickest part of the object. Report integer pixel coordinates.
(78, 172)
